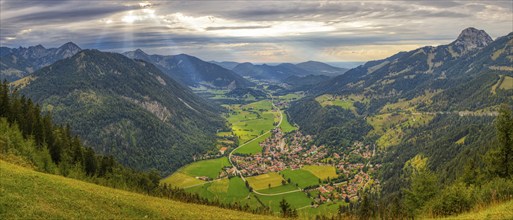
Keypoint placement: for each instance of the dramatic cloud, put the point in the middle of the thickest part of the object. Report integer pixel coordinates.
(267, 31)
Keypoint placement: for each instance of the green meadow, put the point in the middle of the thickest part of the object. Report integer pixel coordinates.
(225, 190)
(265, 180)
(302, 177)
(322, 172)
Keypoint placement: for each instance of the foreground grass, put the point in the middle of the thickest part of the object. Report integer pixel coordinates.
(499, 211)
(27, 194)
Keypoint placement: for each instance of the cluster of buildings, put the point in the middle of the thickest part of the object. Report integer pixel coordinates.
(296, 150)
(279, 153)
(356, 175)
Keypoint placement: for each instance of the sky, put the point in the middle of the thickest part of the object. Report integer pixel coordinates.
(254, 31)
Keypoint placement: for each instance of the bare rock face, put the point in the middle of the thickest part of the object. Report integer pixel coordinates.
(471, 39)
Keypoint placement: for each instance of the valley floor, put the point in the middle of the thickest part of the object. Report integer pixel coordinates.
(28, 194)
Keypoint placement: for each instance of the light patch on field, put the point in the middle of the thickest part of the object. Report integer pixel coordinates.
(501, 68)
(265, 180)
(322, 172)
(332, 100)
(461, 141)
(497, 53)
(181, 180)
(409, 105)
(504, 82)
(220, 186)
(507, 83)
(21, 83)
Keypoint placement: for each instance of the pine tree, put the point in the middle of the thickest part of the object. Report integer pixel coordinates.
(500, 158)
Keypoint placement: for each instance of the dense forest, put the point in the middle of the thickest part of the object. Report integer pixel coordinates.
(333, 125)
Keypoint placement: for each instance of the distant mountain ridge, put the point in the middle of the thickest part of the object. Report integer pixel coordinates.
(16, 63)
(191, 70)
(280, 72)
(127, 108)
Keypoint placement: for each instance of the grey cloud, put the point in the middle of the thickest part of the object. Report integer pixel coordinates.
(237, 27)
(63, 15)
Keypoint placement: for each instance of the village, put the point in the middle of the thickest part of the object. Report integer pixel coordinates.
(295, 150)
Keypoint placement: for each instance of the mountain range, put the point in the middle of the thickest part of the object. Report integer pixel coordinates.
(126, 108)
(16, 63)
(192, 71)
(280, 72)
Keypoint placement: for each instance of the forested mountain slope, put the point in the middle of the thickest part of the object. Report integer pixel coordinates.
(433, 104)
(126, 108)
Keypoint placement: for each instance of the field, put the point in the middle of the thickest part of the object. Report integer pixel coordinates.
(279, 189)
(324, 209)
(409, 105)
(296, 200)
(507, 83)
(225, 190)
(322, 172)
(290, 97)
(210, 168)
(178, 179)
(262, 181)
(330, 100)
(253, 147)
(186, 176)
(285, 124)
(251, 120)
(302, 177)
(27, 194)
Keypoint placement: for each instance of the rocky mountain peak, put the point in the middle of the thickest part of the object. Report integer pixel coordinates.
(470, 39)
(68, 49)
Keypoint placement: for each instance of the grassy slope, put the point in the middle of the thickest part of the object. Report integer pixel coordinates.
(25, 193)
(500, 211)
(285, 124)
(178, 179)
